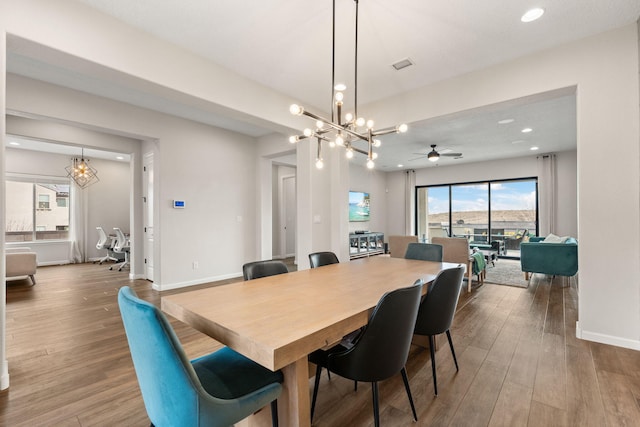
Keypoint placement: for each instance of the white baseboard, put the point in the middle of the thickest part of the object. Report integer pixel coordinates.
(606, 339)
(166, 287)
(4, 379)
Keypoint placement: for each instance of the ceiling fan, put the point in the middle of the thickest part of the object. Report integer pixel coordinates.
(433, 155)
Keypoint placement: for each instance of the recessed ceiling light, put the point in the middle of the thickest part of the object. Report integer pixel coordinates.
(526, 130)
(532, 14)
(14, 143)
(520, 141)
(340, 86)
(534, 148)
(400, 166)
(506, 121)
(120, 158)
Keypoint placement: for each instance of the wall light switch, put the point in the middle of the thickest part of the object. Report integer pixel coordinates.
(316, 219)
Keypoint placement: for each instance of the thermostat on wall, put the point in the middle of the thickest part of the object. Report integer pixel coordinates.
(178, 204)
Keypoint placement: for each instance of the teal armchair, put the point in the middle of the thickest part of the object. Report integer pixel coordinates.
(556, 259)
(218, 389)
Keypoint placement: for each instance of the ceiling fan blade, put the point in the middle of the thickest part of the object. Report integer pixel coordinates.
(417, 158)
(451, 154)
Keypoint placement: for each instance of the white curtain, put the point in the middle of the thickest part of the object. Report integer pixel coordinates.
(547, 193)
(77, 249)
(409, 201)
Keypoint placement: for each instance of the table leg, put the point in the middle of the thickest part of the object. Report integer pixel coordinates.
(293, 404)
(469, 275)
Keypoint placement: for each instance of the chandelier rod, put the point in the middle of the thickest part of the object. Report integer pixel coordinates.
(333, 60)
(355, 98)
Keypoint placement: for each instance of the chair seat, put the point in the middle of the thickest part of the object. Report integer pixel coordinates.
(227, 374)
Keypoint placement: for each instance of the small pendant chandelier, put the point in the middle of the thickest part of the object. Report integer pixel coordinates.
(350, 129)
(81, 172)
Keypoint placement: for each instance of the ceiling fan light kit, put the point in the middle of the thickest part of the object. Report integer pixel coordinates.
(350, 129)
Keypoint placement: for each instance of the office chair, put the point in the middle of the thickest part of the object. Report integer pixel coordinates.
(424, 252)
(437, 310)
(381, 351)
(258, 269)
(318, 259)
(122, 247)
(105, 242)
(218, 389)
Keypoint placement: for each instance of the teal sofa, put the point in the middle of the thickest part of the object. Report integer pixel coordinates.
(556, 259)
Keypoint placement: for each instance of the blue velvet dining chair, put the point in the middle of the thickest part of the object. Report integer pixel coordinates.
(218, 389)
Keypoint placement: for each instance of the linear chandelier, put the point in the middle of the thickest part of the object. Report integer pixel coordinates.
(350, 129)
(81, 172)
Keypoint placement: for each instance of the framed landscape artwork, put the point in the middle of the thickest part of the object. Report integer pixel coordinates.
(358, 206)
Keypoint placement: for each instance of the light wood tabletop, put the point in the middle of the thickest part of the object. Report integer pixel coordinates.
(277, 321)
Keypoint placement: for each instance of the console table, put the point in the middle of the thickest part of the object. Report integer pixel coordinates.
(365, 244)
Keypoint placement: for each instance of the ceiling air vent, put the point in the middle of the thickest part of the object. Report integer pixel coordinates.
(403, 63)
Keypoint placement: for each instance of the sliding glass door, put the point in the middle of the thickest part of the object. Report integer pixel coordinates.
(498, 214)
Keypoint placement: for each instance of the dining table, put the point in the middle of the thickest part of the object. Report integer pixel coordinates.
(278, 320)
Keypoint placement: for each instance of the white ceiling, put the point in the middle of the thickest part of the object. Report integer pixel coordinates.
(286, 45)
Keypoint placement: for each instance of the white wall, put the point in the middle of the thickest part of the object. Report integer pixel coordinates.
(107, 201)
(604, 69)
(522, 167)
(205, 166)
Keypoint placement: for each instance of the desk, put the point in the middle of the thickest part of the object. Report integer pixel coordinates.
(277, 321)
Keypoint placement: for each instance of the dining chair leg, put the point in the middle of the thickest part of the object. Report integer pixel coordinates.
(355, 386)
(376, 408)
(453, 352)
(406, 386)
(316, 385)
(432, 349)
(274, 413)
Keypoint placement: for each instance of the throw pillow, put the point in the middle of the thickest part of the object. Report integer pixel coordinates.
(552, 238)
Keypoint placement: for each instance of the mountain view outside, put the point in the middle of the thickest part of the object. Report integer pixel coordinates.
(482, 212)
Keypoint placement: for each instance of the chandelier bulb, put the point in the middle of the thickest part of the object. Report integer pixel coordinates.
(296, 110)
(339, 96)
(339, 140)
(332, 144)
(377, 143)
(374, 156)
(319, 164)
(293, 139)
(319, 124)
(349, 153)
(370, 124)
(307, 132)
(360, 121)
(348, 117)
(402, 128)
(370, 164)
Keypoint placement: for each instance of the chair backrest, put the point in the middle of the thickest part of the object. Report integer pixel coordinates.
(439, 305)
(454, 249)
(102, 239)
(169, 385)
(398, 245)
(318, 259)
(424, 252)
(258, 269)
(382, 349)
(121, 241)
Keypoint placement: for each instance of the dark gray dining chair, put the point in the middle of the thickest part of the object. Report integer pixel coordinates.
(437, 310)
(258, 269)
(380, 351)
(318, 259)
(424, 252)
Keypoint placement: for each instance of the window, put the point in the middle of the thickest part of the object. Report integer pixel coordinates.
(483, 212)
(43, 201)
(31, 216)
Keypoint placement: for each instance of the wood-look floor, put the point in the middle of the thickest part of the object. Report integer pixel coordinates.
(520, 362)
